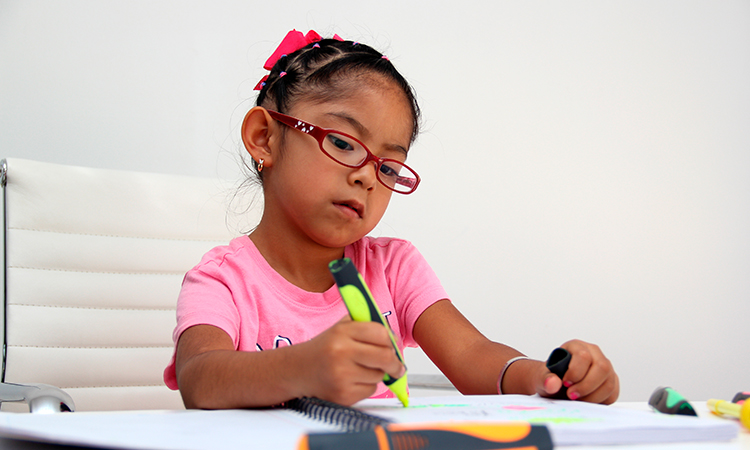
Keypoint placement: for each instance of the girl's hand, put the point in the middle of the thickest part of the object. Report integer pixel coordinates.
(348, 360)
(590, 376)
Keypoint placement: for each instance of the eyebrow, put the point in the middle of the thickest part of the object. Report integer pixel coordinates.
(364, 131)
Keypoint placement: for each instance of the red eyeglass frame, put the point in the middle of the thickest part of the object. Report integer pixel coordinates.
(319, 134)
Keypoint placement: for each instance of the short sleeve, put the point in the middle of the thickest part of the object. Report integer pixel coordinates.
(408, 281)
(416, 287)
(205, 299)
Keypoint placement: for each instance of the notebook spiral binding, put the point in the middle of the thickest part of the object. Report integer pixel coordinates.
(349, 419)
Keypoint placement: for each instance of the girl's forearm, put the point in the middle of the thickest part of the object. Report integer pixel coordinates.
(486, 360)
(471, 361)
(220, 379)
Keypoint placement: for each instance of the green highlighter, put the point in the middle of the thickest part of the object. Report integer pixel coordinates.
(362, 308)
(668, 401)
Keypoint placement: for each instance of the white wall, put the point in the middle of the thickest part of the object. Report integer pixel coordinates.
(586, 164)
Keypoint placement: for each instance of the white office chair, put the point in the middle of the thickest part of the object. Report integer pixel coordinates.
(94, 260)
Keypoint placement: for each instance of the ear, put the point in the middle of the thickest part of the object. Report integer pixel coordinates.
(259, 134)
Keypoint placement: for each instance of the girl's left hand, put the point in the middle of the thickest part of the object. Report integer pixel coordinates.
(590, 376)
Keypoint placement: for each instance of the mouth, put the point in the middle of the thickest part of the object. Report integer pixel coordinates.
(352, 205)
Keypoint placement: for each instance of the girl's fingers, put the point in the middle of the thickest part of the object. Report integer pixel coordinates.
(590, 376)
(382, 359)
(606, 393)
(551, 384)
(366, 344)
(581, 360)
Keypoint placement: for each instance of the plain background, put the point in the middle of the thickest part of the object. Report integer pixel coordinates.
(585, 164)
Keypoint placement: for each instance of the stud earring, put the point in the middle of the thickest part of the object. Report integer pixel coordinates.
(260, 165)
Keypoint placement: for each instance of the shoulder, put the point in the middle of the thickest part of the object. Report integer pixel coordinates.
(386, 253)
(231, 257)
(382, 246)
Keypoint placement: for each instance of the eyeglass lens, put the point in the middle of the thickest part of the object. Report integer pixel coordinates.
(351, 153)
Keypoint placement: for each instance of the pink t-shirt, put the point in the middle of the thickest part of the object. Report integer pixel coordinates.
(235, 289)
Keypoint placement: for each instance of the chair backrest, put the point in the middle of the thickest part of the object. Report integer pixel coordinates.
(94, 260)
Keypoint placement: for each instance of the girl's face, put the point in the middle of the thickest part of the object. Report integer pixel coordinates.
(321, 200)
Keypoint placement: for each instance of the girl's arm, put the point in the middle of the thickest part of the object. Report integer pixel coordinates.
(343, 364)
(473, 363)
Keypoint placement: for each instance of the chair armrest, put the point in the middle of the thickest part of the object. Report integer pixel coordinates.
(41, 398)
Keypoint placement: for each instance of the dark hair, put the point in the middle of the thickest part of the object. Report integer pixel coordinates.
(320, 70)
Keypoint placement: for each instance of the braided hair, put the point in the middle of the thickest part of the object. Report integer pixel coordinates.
(321, 71)
(315, 71)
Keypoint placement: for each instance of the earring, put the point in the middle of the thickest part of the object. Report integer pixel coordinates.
(260, 165)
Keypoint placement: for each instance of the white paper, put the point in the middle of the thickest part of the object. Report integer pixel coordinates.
(164, 430)
(570, 423)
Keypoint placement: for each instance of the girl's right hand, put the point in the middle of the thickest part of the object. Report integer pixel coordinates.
(348, 360)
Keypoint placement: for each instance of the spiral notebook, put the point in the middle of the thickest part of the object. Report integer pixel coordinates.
(345, 418)
(569, 423)
(363, 430)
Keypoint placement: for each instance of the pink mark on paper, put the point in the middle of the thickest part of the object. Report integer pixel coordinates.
(523, 407)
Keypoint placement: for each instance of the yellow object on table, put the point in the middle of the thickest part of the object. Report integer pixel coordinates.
(741, 412)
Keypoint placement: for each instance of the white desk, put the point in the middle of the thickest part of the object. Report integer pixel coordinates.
(152, 429)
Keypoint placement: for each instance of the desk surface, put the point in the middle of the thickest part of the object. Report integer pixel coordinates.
(742, 442)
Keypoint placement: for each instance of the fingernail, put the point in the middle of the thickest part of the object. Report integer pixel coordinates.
(567, 384)
(573, 395)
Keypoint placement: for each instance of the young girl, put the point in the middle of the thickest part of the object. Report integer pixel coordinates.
(260, 321)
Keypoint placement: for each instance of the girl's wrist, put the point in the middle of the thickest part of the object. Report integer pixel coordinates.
(505, 370)
(516, 376)
(298, 379)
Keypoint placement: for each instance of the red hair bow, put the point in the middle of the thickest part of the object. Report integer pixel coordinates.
(293, 41)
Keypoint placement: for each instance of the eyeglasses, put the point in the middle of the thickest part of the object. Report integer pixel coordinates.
(351, 152)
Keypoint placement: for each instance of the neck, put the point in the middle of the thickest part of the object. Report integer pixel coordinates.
(298, 259)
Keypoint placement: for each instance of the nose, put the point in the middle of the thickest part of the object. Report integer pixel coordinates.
(366, 175)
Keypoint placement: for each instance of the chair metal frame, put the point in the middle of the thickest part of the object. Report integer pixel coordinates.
(41, 398)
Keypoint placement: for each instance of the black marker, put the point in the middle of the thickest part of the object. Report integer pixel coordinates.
(557, 363)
